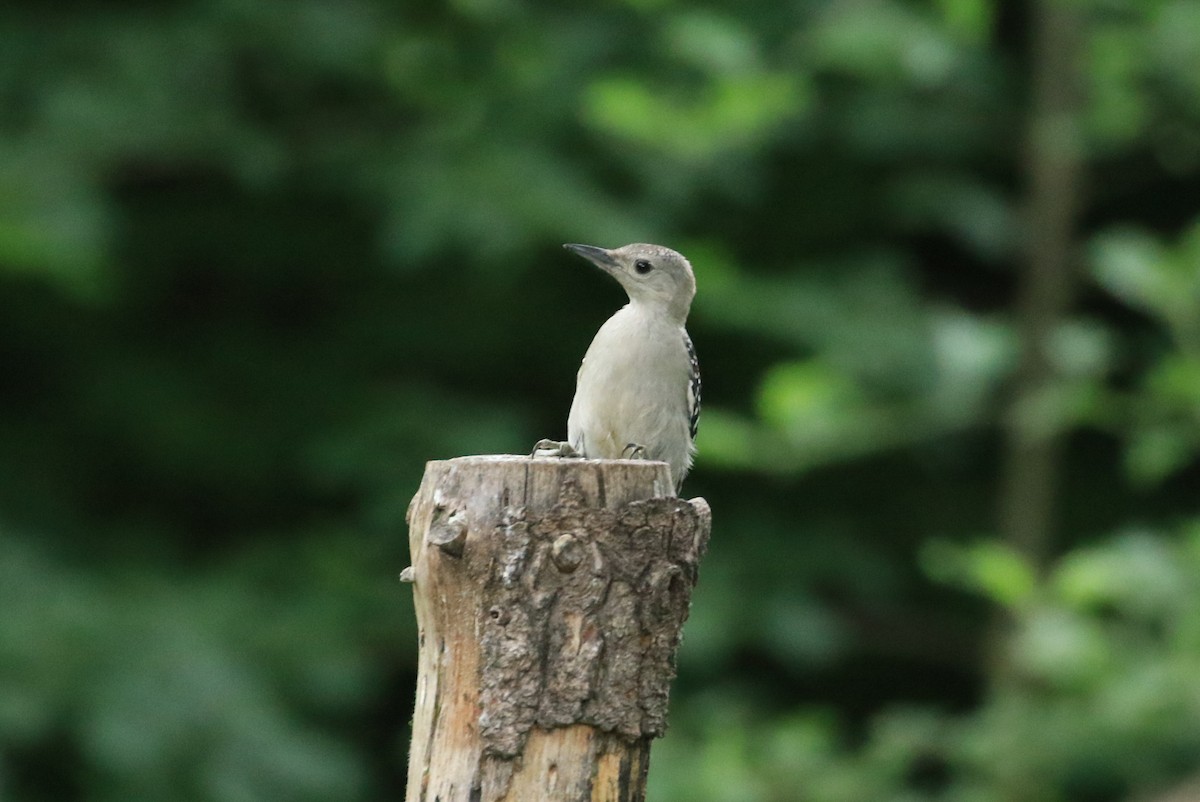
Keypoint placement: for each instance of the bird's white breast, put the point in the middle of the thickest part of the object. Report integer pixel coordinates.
(632, 388)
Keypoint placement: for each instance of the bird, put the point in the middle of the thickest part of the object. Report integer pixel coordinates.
(637, 393)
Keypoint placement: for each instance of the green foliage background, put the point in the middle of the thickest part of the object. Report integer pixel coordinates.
(260, 260)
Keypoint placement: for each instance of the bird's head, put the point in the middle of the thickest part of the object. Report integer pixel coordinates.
(651, 274)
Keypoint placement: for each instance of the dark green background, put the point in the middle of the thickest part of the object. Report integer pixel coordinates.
(259, 261)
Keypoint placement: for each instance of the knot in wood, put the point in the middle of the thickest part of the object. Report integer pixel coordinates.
(665, 582)
(567, 553)
(448, 533)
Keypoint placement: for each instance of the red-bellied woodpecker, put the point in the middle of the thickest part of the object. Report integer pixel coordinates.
(638, 390)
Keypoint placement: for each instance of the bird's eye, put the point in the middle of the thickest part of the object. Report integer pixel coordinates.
(642, 266)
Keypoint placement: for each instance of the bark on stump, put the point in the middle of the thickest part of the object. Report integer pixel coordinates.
(550, 595)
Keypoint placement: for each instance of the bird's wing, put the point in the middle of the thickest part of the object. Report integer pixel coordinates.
(693, 391)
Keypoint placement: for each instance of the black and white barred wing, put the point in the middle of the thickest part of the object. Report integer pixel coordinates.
(693, 393)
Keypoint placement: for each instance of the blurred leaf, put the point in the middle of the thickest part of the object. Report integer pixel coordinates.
(1061, 648)
(885, 42)
(730, 113)
(967, 210)
(805, 396)
(719, 44)
(1144, 273)
(987, 567)
(1117, 113)
(1130, 265)
(1137, 574)
(973, 354)
(971, 19)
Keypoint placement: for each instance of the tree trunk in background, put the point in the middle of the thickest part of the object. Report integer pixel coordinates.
(1031, 473)
(550, 596)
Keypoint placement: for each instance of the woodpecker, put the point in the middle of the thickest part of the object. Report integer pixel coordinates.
(637, 393)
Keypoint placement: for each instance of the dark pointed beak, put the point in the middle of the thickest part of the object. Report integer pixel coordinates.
(600, 257)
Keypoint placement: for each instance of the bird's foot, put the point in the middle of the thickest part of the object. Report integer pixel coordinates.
(554, 448)
(633, 451)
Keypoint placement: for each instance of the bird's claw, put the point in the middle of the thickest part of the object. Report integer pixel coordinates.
(633, 451)
(554, 448)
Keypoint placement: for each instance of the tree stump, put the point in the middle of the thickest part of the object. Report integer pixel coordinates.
(550, 596)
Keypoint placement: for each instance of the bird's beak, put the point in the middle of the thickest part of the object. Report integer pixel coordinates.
(600, 257)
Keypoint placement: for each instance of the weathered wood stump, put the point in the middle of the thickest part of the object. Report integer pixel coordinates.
(550, 596)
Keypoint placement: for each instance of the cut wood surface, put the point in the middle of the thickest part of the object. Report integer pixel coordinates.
(550, 596)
